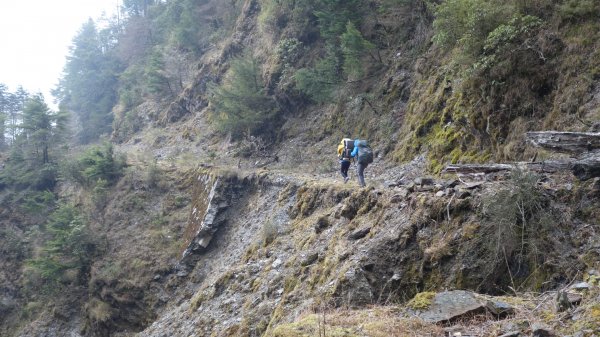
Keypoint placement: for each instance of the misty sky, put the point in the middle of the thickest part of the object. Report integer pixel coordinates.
(35, 36)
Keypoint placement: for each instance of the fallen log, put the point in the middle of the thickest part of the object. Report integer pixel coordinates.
(587, 167)
(542, 167)
(477, 168)
(584, 169)
(569, 142)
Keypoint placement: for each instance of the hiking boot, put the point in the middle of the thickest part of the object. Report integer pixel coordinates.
(346, 179)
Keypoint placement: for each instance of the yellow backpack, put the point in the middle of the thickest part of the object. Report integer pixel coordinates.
(345, 148)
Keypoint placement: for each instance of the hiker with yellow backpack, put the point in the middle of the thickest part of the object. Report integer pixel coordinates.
(344, 150)
(358, 149)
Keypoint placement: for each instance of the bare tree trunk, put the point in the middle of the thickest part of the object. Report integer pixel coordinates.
(570, 142)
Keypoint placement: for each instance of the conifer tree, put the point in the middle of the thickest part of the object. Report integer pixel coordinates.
(89, 83)
(240, 103)
(43, 129)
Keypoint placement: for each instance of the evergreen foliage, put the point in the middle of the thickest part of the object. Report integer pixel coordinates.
(69, 246)
(137, 7)
(11, 107)
(320, 82)
(580, 9)
(37, 147)
(97, 165)
(240, 103)
(354, 47)
(156, 79)
(345, 48)
(334, 15)
(89, 83)
(467, 23)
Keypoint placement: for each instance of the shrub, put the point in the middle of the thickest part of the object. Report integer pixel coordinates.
(319, 82)
(354, 47)
(506, 39)
(516, 220)
(468, 22)
(98, 163)
(240, 103)
(269, 233)
(68, 245)
(289, 51)
(579, 9)
(38, 202)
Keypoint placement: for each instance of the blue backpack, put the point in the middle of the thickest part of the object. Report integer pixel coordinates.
(365, 153)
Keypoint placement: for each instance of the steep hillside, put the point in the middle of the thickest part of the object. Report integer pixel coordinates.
(229, 216)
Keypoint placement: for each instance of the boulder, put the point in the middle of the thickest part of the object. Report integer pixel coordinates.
(449, 305)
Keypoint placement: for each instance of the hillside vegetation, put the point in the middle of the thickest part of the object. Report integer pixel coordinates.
(188, 184)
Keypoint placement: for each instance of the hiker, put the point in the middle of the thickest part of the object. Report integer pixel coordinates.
(344, 150)
(364, 156)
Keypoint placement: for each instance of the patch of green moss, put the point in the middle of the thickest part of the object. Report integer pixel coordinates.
(421, 301)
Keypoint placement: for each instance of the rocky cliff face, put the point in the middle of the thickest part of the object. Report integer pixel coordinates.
(265, 240)
(287, 246)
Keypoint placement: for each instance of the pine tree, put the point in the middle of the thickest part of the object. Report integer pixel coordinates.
(89, 83)
(354, 47)
(43, 129)
(240, 103)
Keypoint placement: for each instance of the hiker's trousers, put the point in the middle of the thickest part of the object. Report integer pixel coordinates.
(360, 170)
(344, 166)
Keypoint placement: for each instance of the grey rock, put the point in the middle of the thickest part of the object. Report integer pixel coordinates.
(512, 334)
(473, 185)
(276, 264)
(359, 233)
(462, 193)
(310, 259)
(450, 305)
(440, 194)
(390, 184)
(423, 181)
(581, 286)
(499, 308)
(451, 183)
(542, 330)
(401, 195)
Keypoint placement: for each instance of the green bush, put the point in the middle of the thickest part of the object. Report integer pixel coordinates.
(506, 39)
(320, 82)
(467, 23)
(20, 174)
(289, 51)
(354, 47)
(68, 245)
(38, 202)
(97, 163)
(240, 103)
(334, 15)
(579, 9)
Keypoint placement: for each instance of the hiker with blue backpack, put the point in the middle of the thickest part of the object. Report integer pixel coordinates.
(361, 151)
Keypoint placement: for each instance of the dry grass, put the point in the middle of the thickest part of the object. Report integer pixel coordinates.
(373, 322)
(390, 321)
